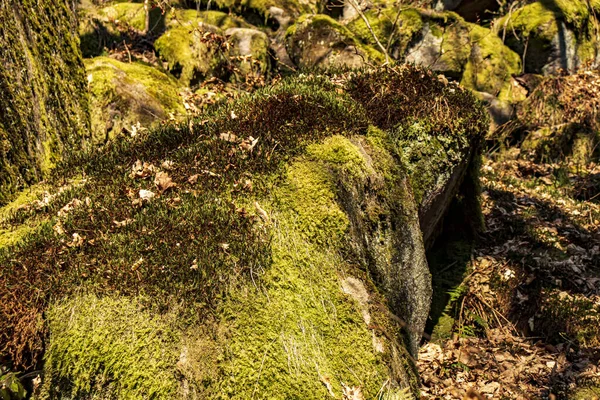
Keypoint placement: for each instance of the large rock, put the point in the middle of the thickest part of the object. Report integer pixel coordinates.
(553, 35)
(109, 27)
(274, 248)
(554, 124)
(43, 97)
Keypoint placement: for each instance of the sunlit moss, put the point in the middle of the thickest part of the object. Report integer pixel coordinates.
(110, 346)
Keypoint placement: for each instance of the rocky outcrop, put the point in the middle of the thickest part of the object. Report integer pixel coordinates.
(553, 123)
(200, 45)
(273, 248)
(43, 97)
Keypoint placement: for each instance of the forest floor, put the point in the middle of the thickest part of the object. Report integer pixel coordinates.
(526, 320)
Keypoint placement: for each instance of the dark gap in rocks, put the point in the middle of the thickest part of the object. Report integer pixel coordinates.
(450, 254)
(478, 10)
(334, 8)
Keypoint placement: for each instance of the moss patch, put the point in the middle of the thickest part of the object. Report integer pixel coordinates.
(298, 331)
(94, 342)
(491, 64)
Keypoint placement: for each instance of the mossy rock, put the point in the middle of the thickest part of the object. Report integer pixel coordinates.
(467, 52)
(554, 124)
(552, 35)
(396, 28)
(273, 268)
(124, 95)
(43, 100)
(251, 47)
(200, 45)
(108, 27)
(134, 15)
(320, 41)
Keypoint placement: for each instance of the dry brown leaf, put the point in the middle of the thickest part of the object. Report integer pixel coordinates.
(228, 137)
(163, 182)
(248, 144)
(351, 393)
(77, 240)
(69, 207)
(141, 170)
(193, 179)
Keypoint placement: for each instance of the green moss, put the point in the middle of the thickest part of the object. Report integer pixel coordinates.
(536, 18)
(408, 24)
(43, 99)
(12, 233)
(124, 94)
(341, 153)
(299, 329)
(110, 345)
(192, 18)
(585, 393)
(133, 14)
(491, 65)
(537, 24)
(188, 57)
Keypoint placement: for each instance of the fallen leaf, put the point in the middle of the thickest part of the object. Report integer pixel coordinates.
(163, 182)
(248, 144)
(146, 195)
(69, 207)
(228, 137)
(193, 179)
(123, 223)
(58, 229)
(141, 170)
(137, 264)
(77, 240)
(351, 393)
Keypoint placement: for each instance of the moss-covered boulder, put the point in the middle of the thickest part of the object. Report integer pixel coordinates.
(200, 45)
(553, 35)
(271, 249)
(43, 97)
(320, 41)
(125, 96)
(467, 52)
(471, 54)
